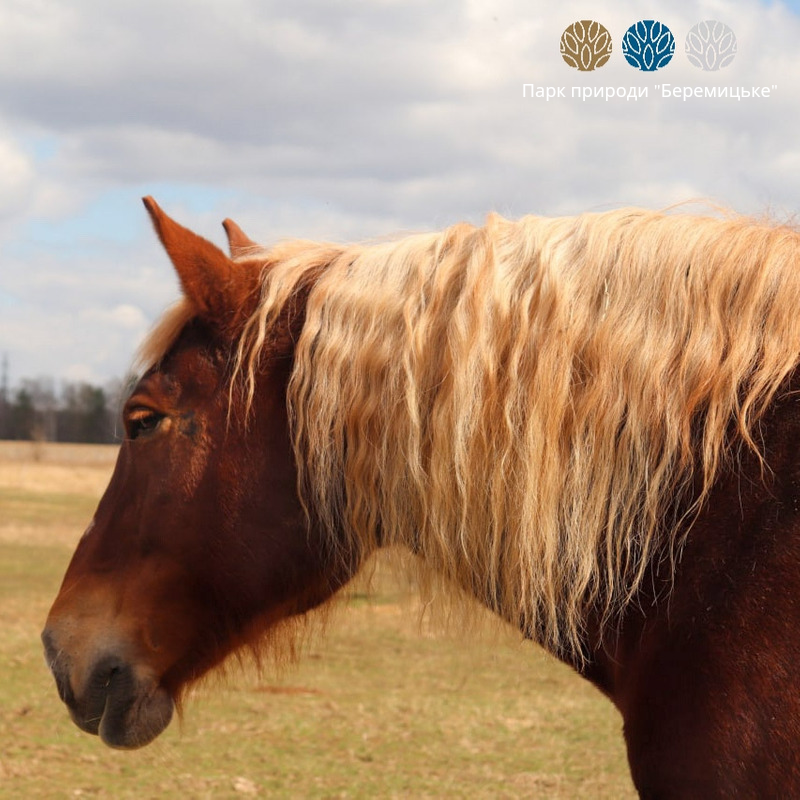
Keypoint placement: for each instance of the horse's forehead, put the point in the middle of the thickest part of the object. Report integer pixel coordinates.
(197, 356)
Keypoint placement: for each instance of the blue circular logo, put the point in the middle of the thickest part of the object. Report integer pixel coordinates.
(648, 45)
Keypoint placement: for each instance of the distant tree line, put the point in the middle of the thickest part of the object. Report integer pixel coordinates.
(38, 410)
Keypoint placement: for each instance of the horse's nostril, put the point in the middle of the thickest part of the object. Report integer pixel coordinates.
(58, 665)
(106, 670)
(50, 651)
(115, 670)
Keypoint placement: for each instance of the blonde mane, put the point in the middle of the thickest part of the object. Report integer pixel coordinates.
(537, 408)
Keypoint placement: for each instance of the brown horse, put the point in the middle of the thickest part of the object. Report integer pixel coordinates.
(589, 424)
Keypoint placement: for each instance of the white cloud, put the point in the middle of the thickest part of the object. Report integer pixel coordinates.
(16, 178)
(340, 121)
(123, 316)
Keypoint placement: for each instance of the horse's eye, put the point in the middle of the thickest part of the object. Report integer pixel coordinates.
(141, 422)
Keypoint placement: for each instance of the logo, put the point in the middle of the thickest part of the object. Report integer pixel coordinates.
(648, 45)
(710, 45)
(586, 45)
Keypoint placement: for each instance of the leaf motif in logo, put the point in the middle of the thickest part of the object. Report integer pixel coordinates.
(648, 45)
(586, 45)
(710, 45)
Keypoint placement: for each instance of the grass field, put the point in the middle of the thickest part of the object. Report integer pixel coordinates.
(378, 708)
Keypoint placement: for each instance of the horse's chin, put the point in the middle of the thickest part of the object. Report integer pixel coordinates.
(128, 726)
(125, 712)
(129, 723)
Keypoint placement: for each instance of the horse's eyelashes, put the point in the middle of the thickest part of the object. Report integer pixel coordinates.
(142, 422)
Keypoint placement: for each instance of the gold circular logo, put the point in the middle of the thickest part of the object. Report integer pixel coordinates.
(586, 45)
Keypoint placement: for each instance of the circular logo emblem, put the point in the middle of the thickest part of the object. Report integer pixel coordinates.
(586, 45)
(648, 45)
(710, 45)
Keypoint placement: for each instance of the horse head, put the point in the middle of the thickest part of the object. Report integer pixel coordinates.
(200, 544)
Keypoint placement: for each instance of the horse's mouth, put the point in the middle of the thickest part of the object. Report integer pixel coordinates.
(126, 711)
(131, 713)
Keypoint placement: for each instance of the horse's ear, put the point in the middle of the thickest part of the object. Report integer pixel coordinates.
(221, 291)
(238, 241)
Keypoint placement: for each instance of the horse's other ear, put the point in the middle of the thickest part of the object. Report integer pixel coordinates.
(239, 242)
(221, 291)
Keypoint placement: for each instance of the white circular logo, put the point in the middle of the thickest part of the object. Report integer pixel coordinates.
(710, 45)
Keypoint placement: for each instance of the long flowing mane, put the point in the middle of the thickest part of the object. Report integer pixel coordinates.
(537, 408)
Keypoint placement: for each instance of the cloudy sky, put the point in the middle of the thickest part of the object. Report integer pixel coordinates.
(340, 119)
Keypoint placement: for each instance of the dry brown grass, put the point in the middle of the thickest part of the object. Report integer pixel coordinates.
(44, 466)
(382, 707)
(47, 489)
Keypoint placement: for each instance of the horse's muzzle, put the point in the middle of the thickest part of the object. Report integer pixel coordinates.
(125, 709)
